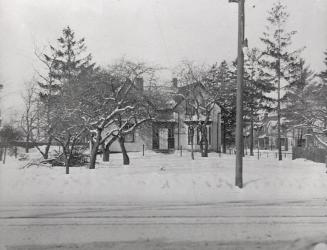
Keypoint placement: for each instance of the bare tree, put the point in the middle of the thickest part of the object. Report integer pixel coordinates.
(8, 135)
(115, 105)
(200, 91)
(29, 117)
(68, 128)
(315, 116)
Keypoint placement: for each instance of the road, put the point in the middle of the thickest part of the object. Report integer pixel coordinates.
(228, 225)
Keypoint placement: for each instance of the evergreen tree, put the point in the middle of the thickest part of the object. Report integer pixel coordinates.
(277, 57)
(70, 59)
(49, 89)
(323, 74)
(306, 103)
(226, 79)
(297, 97)
(257, 86)
(65, 64)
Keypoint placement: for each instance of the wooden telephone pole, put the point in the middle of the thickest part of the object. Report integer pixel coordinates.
(239, 98)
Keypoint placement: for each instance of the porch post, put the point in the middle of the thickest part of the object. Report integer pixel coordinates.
(178, 143)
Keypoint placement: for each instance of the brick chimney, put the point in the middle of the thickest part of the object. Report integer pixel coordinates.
(139, 83)
(175, 83)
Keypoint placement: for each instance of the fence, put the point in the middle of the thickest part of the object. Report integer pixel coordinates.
(311, 153)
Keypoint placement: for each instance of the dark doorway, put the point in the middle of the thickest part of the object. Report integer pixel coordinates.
(171, 139)
(163, 136)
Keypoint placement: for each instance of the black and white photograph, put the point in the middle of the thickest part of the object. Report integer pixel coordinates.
(163, 124)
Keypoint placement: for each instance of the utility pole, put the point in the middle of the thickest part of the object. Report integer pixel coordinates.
(239, 98)
(1, 149)
(1, 87)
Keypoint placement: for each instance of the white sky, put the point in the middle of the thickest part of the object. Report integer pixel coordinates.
(157, 31)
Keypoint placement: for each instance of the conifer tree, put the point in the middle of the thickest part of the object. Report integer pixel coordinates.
(65, 64)
(70, 56)
(306, 104)
(226, 79)
(257, 88)
(297, 97)
(49, 88)
(323, 74)
(277, 58)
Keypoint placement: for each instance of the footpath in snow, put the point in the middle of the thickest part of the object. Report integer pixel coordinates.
(159, 177)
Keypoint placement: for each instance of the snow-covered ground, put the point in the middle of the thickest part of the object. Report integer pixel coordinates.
(159, 177)
(164, 201)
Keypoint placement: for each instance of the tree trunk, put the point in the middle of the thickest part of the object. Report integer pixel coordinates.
(206, 148)
(199, 128)
(4, 155)
(94, 150)
(204, 140)
(93, 156)
(47, 149)
(224, 138)
(27, 142)
(66, 163)
(106, 153)
(201, 147)
(66, 159)
(121, 140)
(251, 137)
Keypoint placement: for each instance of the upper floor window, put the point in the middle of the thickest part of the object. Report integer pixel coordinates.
(189, 109)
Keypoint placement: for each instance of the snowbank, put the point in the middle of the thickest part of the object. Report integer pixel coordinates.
(165, 178)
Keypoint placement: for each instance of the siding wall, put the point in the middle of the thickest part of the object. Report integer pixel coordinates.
(143, 135)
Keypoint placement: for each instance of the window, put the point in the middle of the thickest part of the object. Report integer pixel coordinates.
(198, 135)
(130, 137)
(190, 134)
(189, 109)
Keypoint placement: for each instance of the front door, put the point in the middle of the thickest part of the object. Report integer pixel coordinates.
(171, 139)
(163, 138)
